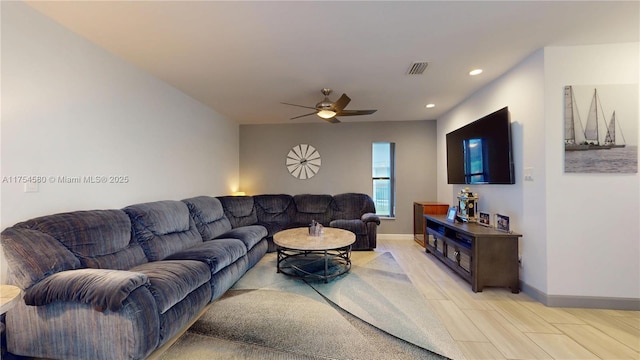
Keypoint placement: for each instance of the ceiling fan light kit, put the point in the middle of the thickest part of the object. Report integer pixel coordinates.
(328, 110)
(326, 114)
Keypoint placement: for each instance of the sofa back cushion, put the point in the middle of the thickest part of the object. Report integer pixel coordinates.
(310, 207)
(273, 208)
(352, 206)
(100, 239)
(208, 214)
(163, 228)
(239, 210)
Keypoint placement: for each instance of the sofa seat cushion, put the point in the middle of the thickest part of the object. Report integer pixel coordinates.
(357, 227)
(249, 235)
(103, 289)
(172, 280)
(217, 254)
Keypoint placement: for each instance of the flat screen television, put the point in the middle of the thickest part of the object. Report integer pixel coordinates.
(480, 152)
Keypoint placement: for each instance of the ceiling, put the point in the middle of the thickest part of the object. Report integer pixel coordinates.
(244, 58)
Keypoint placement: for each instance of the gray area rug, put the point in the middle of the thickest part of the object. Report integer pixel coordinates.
(372, 312)
(381, 294)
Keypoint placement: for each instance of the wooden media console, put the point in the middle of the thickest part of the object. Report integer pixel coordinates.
(481, 255)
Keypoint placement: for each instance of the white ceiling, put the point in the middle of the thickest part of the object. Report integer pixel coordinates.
(244, 58)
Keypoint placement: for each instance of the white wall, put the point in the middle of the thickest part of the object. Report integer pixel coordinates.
(581, 232)
(521, 89)
(593, 219)
(69, 108)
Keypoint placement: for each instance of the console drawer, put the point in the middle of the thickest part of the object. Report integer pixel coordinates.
(460, 256)
(435, 242)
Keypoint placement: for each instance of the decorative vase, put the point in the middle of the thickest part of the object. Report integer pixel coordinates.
(315, 229)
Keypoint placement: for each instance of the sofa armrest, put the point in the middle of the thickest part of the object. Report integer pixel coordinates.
(371, 217)
(102, 288)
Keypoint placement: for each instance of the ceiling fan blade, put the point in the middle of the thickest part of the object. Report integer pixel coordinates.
(333, 120)
(313, 113)
(355, 112)
(341, 103)
(302, 106)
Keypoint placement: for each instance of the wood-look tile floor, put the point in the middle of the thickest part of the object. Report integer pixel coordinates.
(496, 324)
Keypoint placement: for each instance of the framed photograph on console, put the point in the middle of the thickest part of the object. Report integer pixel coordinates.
(502, 223)
(484, 218)
(451, 214)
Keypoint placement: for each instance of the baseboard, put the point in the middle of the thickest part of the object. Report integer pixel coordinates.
(591, 302)
(395, 236)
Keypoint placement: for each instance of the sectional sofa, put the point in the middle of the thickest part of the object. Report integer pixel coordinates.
(120, 284)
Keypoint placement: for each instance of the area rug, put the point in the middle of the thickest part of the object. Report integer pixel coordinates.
(381, 294)
(372, 312)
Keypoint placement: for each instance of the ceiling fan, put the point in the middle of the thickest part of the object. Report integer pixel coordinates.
(328, 110)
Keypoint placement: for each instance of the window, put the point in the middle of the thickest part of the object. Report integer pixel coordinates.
(383, 174)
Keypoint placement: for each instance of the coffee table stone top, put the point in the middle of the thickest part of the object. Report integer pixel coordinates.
(299, 239)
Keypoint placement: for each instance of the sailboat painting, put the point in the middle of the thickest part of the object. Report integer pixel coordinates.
(601, 128)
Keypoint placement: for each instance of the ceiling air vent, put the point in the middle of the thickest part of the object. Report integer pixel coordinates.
(417, 68)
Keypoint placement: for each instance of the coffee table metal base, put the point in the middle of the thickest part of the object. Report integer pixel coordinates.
(314, 264)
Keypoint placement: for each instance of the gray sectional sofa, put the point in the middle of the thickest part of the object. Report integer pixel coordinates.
(119, 284)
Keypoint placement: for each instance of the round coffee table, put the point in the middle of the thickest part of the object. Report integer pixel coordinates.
(304, 256)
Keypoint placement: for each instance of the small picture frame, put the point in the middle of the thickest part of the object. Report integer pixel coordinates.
(451, 214)
(484, 218)
(502, 223)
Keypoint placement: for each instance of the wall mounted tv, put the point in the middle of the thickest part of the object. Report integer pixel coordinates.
(480, 152)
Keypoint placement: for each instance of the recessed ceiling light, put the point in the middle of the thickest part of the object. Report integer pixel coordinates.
(429, 106)
(475, 72)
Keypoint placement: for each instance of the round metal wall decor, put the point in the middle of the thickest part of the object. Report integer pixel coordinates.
(303, 161)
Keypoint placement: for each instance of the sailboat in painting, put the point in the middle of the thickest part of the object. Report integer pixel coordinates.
(591, 132)
(610, 139)
(575, 138)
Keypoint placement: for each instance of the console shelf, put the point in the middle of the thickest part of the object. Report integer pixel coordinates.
(481, 255)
